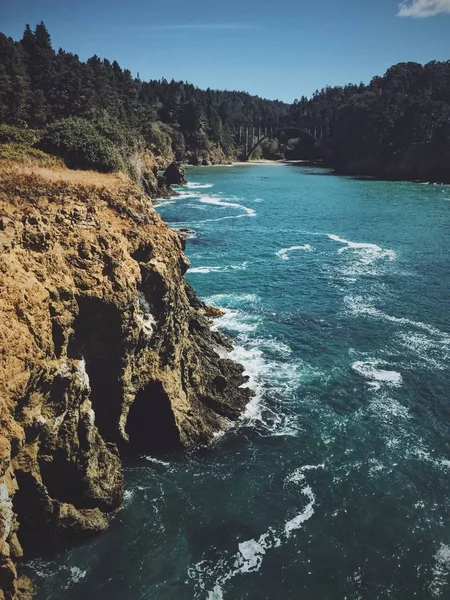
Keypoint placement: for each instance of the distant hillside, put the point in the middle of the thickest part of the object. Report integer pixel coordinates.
(398, 126)
(40, 88)
(95, 114)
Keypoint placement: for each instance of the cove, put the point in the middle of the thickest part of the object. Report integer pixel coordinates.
(335, 482)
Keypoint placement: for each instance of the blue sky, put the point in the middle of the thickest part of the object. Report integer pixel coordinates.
(276, 49)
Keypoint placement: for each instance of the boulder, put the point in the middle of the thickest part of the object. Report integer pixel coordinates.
(175, 174)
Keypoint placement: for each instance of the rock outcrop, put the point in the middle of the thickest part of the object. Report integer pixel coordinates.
(175, 174)
(104, 350)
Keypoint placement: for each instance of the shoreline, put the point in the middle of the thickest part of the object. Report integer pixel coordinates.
(239, 164)
(263, 161)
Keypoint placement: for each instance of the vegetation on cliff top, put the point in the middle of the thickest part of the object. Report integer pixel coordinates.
(96, 115)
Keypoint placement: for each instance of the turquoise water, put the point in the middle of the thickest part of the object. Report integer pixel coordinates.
(335, 484)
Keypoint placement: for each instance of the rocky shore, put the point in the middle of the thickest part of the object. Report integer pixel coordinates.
(104, 348)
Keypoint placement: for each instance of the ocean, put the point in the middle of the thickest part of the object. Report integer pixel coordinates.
(335, 483)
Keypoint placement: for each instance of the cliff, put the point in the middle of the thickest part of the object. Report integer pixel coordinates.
(104, 350)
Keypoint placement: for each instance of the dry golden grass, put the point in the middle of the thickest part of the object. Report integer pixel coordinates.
(24, 184)
(83, 178)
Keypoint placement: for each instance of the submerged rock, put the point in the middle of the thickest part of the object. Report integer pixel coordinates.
(105, 350)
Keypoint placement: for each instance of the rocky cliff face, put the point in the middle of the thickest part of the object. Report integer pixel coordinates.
(104, 349)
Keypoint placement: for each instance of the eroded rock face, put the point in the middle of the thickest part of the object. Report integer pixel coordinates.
(175, 174)
(104, 349)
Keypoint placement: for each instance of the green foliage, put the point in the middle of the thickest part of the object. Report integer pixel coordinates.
(39, 87)
(82, 145)
(99, 116)
(383, 123)
(158, 136)
(10, 133)
(271, 149)
(22, 153)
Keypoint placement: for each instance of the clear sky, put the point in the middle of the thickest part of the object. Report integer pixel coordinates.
(276, 49)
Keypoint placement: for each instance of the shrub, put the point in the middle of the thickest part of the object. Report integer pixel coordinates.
(83, 145)
(24, 153)
(10, 133)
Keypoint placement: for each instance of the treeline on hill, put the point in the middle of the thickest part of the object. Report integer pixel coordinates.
(398, 126)
(95, 114)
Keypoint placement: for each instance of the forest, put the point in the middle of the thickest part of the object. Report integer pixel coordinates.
(397, 126)
(96, 114)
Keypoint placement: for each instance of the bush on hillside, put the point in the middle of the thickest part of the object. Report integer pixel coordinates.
(83, 144)
(17, 152)
(10, 133)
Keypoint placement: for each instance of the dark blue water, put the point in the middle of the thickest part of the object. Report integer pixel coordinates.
(336, 483)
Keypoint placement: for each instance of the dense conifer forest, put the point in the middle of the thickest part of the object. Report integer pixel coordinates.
(95, 114)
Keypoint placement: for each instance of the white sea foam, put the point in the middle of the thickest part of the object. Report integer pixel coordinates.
(425, 455)
(306, 514)
(160, 202)
(128, 496)
(357, 305)
(367, 257)
(376, 376)
(198, 186)
(212, 579)
(389, 410)
(283, 254)
(45, 568)
(441, 572)
(371, 251)
(272, 373)
(232, 299)
(434, 352)
(157, 461)
(184, 195)
(77, 574)
(216, 201)
(240, 267)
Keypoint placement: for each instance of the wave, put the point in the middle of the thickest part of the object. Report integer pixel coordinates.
(157, 461)
(273, 374)
(198, 186)
(377, 377)
(184, 195)
(45, 568)
(161, 202)
(216, 201)
(212, 579)
(441, 571)
(357, 305)
(433, 352)
(367, 252)
(240, 267)
(232, 299)
(283, 253)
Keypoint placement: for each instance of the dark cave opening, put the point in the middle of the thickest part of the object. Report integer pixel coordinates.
(98, 340)
(151, 425)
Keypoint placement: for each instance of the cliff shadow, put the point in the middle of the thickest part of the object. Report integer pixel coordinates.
(98, 341)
